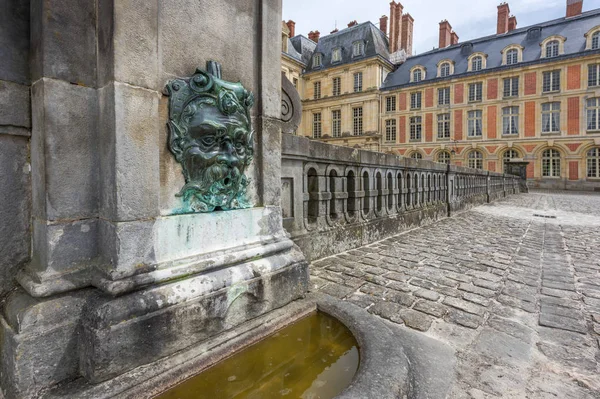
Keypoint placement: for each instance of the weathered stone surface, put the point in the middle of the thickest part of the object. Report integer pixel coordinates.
(15, 109)
(431, 308)
(15, 209)
(417, 320)
(564, 323)
(463, 305)
(14, 41)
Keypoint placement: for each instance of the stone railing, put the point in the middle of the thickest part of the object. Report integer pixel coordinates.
(337, 198)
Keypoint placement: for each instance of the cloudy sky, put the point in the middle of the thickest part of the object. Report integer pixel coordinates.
(469, 18)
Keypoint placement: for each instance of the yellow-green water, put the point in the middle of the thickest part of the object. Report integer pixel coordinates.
(315, 357)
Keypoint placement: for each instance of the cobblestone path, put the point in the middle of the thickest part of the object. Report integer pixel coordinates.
(513, 287)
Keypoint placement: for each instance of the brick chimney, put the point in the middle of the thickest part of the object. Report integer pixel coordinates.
(453, 38)
(314, 36)
(406, 41)
(352, 23)
(292, 27)
(383, 23)
(395, 34)
(445, 33)
(512, 23)
(574, 8)
(503, 13)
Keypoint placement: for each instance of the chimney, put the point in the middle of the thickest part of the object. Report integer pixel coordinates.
(574, 8)
(445, 33)
(407, 34)
(292, 27)
(383, 22)
(392, 27)
(314, 36)
(453, 38)
(512, 23)
(336, 30)
(503, 13)
(352, 23)
(398, 27)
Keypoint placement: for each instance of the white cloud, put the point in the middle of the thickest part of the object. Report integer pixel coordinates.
(470, 19)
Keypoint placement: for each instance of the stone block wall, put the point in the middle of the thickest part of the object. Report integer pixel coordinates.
(15, 141)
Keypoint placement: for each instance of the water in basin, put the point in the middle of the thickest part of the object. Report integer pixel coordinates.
(315, 357)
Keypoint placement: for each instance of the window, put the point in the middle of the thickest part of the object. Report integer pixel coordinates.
(415, 128)
(336, 123)
(511, 87)
(390, 103)
(443, 126)
(474, 123)
(415, 100)
(512, 56)
(475, 160)
(596, 41)
(416, 155)
(443, 157)
(594, 75)
(475, 91)
(508, 155)
(357, 114)
(445, 69)
(444, 96)
(417, 75)
(337, 86)
(477, 63)
(593, 114)
(552, 49)
(295, 83)
(551, 81)
(317, 128)
(358, 48)
(358, 82)
(593, 163)
(317, 60)
(510, 120)
(551, 163)
(337, 55)
(390, 130)
(551, 117)
(317, 90)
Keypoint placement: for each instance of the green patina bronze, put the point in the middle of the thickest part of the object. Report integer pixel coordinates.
(211, 136)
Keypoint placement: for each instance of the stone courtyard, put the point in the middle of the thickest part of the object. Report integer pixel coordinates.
(512, 286)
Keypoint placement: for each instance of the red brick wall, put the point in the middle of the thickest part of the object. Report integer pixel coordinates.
(429, 97)
(492, 89)
(458, 125)
(492, 114)
(402, 101)
(573, 146)
(530, 119)
(429, 127)
(428, 150)
(530, 170)
(458, 163)
(573, 170)
(574, 77)
(573, 116)
(491, 148)
(492, 166)
(459, 93)
(402, 128)
(530, 83)
(529, 148)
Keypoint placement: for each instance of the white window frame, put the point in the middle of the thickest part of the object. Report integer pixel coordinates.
(358, 82)
(552, 49)
(445, 69)
(551, 117)
(336, 123)
(594, 75)
(390, 104)
(475, 159)
(510, 121)
(444, 96)
(416, 155)
(475, 92)
(593, 163)
(445, 159)
(317, 125)
(510, 86)
(443, 126)
(416, 98)
(475, 123)
(358, 48)
(336, 84)
(336, 55)
(317, 60)
(508, 155)
(416, 128)
(357, 121)
(390, 130)
(551, 163)
(477, 63)
(317, 90)
(592, 111)
(551, 81)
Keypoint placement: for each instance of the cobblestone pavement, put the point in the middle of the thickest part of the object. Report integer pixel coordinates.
(513, 287)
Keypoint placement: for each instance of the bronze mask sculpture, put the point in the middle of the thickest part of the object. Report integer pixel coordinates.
(211, 136)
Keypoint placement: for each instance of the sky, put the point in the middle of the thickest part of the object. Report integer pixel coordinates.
(470, 19)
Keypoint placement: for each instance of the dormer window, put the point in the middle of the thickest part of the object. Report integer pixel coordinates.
(337, 55)
(477, 63)
(512, 56)
(317, 60)
(596, 41)
(445, 69)
(592, 38)
(552, 49)
(358, 48)
(417, 75)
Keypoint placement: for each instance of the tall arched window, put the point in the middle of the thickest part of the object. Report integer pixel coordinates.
(596, 41)
(512, 56)
(508, 155)
(477, 63)
(551, 163)
(476, 160)
(593, 163)
(417, 75)
(416, 155)
(443, 157)
(552, 49)
(445, 69)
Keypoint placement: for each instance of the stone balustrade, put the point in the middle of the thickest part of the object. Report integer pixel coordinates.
(337, 198)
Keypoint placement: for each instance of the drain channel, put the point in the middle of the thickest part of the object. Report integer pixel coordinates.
(544, 216)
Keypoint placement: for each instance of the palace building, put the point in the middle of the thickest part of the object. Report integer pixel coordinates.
(529, 93)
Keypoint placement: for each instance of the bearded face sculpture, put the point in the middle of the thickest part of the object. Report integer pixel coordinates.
(210, 134)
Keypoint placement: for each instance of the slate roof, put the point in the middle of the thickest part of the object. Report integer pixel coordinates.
(376, 43)
(304, 47)
(573, 29)
(293, 53)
